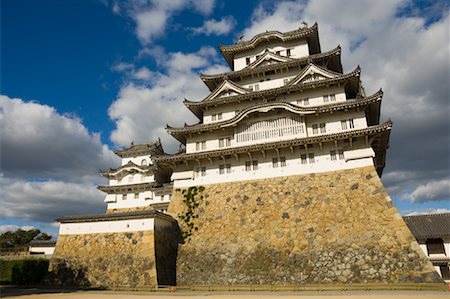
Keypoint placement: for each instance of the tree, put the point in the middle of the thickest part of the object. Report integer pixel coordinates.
(21, 238)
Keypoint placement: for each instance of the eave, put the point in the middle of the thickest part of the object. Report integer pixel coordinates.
(129, 167)
(370, 131)
(181, 133)
(332, 57)
(310, 33)
(351, 80)
(127, 188)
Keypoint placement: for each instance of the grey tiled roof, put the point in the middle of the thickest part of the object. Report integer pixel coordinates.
(43, 243)
(429, 226)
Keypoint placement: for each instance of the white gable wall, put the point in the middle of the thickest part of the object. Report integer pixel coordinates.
(299, 48)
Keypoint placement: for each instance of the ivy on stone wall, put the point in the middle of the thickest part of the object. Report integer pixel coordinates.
(191, 199)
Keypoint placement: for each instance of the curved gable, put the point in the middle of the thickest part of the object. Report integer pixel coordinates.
(313, 72)
(266, 59)
(226, 89)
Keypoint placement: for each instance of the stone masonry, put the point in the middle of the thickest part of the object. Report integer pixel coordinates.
(333, 227)
(138, 258)
(105, 260)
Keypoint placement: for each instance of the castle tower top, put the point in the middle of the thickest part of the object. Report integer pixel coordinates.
(297, 43)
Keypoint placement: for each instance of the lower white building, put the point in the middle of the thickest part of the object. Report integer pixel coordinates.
(433, 235)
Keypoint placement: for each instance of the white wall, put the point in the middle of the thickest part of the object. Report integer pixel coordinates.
(299, 48)
(133, 178)
(294, 166)
(116, 201)
(41, 250)
(137, 160)
(106, 226)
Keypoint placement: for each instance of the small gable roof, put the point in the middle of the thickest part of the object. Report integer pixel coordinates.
(226, 86)
(311, 69)
(267, 56)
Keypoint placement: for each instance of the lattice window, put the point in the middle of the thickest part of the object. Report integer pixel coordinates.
(268, 129)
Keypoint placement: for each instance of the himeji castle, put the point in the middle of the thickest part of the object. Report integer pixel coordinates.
(276, 186)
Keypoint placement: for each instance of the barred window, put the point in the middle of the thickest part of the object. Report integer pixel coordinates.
(248, 166)
(323, 128)
(351, 124)
(283, 161)
(303, 158)
(315, 129)
(343, 124)
(332, 97)
(255, 164)
(333, 155)
(274, 162)
(341, 154)
(311, 158)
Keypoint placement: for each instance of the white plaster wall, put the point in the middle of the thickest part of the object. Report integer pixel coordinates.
(116, 226)
(137, 160)
(294, 166)
(298, 48)
(447, 247)
(133, 178)
(41, 250)
(333, 121)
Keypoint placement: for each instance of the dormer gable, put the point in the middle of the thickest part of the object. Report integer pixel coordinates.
(313, 72)
(266, 59)
(226, 89)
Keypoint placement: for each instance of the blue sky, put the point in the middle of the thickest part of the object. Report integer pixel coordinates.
(81, 78)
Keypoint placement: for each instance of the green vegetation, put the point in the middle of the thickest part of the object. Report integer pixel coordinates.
(21, 238)
(22, 272)
(192, 202)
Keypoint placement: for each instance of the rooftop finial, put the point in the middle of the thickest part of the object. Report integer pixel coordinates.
(132, 143)
(305, 25)
(241, 39)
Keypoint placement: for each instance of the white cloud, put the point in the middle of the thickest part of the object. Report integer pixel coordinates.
(39, 143)
(49, 162)
(204, 7)
(163, 99)
(285, 16)
(150, 24)
(142, 74)
(152, 17)
(439, 190)
(221, 27)
(45, 201)
(12, 228)
(404, 55)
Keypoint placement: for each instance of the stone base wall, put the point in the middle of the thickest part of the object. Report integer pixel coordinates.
(104, 260)
(334, 227)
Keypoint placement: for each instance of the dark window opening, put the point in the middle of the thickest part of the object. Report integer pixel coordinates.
(444, 272)
(435, 246)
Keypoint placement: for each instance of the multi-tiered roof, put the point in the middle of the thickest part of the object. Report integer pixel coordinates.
(315, 71)
(137, 159)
